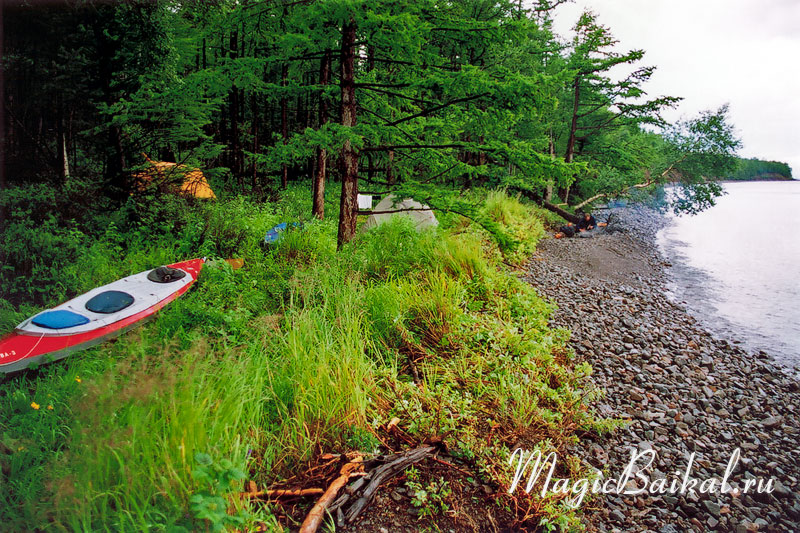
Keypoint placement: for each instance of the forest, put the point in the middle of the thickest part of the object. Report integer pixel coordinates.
(335, 342)
(378, 96)
(757, 169)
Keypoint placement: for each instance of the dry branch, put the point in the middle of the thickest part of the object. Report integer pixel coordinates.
(283, 493)
(317, 514)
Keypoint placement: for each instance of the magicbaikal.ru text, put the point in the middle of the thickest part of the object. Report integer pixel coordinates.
(636, 470)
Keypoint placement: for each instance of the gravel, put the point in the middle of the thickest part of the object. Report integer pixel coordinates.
(682, 390)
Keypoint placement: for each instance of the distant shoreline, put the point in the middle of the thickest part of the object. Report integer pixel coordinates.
(775, 177)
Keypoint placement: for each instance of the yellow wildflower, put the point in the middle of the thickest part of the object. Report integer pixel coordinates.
(50, 407)
(77, 379)
(35, 405)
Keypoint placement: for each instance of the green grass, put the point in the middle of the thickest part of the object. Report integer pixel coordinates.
(257, 370)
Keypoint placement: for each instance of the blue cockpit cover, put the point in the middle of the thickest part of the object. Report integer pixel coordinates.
(109, 302)
(59, 319)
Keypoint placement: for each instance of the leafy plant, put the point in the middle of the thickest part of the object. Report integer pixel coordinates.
(431, 499)
(209, 503)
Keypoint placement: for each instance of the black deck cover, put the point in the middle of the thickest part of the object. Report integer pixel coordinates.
(109, 302)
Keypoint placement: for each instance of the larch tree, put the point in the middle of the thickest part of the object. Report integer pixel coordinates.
(595, 103)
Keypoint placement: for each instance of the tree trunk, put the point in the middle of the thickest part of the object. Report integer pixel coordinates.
(565, 194)
(370, 58)
(116, 162)
(284, 123)
(549, 194)
(563, 214)
(348, 206)
(568, 157)
(63, 162)
(318, 208)
(547, 205)
(570, 154)
(390, 178)
(233, 111)
(256, 122)
(70, 130)
(115, 158)
(62, 155)
(370, 167)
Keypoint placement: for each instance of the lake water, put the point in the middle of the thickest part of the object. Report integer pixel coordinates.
(736, 266)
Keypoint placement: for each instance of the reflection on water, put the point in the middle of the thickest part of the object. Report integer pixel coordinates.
(737, 266)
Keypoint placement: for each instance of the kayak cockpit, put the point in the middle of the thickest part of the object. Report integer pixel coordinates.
(165, 274)
(59, 319)
(109, 302)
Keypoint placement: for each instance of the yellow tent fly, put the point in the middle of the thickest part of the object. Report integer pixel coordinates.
(174, 178)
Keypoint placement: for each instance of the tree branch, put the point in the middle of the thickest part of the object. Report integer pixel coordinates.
(672, 166)
(647, 183)
(398, 95)
(590, 200)
(412, 147)
(436, 108)
(389, 85)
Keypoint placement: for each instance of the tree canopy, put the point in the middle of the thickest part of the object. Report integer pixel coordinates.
(426, 99)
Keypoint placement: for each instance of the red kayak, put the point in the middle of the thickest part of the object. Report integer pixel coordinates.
(95, 316)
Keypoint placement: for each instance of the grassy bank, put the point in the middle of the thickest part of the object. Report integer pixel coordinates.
(255, 373)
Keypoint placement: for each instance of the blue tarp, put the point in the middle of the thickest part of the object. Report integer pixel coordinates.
(274, 235)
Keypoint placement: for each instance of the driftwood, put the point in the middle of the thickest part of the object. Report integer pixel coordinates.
(317, 514)
(360, 493)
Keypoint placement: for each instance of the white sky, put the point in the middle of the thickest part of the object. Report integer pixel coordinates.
(743, 52)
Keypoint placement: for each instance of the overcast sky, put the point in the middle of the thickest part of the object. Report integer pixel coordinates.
(744, 52)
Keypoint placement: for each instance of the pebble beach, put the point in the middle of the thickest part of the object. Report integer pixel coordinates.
(683, 393)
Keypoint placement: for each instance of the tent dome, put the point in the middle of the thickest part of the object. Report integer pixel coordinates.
(420, 214)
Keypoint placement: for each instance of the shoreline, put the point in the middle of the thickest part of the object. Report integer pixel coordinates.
(683, 390)
(756, 180)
